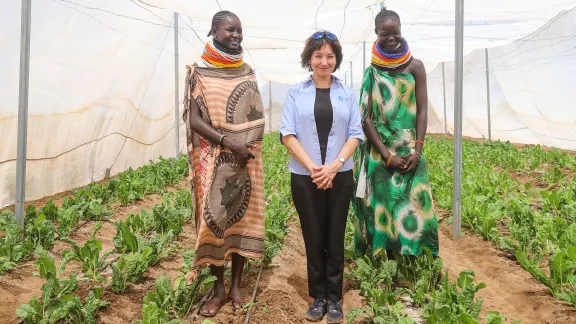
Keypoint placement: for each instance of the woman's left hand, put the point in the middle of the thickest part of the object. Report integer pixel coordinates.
(412, 161)
(324, 174)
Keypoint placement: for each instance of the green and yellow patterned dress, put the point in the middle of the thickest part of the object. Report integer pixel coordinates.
(393, 211)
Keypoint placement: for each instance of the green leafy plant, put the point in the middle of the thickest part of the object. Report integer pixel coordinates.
(40, 232)
(172, 301)
(455, 302)
(58, 302)
(89, 255)
(12, 246)
(130, 268)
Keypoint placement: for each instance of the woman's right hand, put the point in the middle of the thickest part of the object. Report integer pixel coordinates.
(397, 162)
(242, 151)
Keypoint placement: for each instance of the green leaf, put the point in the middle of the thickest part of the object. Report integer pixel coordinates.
(48, 290)
(46, 266)
(465, 278)
(533, 268)
(495, 318)
(26, 311)
(130, 239)
(466, 319)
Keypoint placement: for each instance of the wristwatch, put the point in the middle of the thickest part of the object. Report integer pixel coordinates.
(341, 159)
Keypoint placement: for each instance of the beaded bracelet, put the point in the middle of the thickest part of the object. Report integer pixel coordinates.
(418, 155)
(389, 159)
(421, 142)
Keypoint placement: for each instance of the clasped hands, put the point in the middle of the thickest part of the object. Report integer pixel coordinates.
(323, 175)
(404, 163)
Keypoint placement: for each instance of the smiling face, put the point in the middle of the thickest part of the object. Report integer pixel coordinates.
(229, 33)
(389, 34)
(323, 61)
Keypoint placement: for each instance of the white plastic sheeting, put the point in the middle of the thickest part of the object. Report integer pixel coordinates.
(102, 72)
(532, 93)
(101, 92)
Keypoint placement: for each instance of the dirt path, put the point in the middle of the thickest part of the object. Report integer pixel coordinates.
(510, 289)
(283, 291)
(19, 286)
(282, 294)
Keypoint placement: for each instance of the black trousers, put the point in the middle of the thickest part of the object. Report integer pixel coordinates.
(323, 215)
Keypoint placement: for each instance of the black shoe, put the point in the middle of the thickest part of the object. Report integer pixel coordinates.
(317, 311)
(335, 314)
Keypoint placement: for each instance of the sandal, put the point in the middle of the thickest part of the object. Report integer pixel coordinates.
(236, 303)
(212, 309)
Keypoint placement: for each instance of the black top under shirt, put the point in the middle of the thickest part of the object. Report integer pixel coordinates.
(323, 115)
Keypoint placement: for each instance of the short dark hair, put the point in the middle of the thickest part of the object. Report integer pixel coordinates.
(316, 44)
(218, 19)
(385, 15)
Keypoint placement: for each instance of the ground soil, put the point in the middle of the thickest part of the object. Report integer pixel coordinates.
(282, 295)
(510, 289)
(282, 291)
(19, 286)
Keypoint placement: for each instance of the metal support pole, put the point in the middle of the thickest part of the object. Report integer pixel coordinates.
(270, 109)
(351, 80)
(488, 95)
(364, 57)
(345, 78)
(444, 92)
(176, 92)
(25, 27)
(458, 92)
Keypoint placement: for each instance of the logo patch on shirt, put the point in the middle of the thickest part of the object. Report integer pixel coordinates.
(340, 98)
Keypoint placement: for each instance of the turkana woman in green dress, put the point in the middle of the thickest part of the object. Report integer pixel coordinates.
(393, 201)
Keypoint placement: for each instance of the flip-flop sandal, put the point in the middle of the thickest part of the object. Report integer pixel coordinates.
(236, 303)
(211, 307)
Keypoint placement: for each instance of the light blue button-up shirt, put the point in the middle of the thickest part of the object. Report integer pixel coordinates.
(298, 119)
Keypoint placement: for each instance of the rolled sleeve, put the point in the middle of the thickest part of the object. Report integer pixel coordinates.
(355, 124)
(288, 125)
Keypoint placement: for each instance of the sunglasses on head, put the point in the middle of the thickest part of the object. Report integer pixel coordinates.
(319, 35)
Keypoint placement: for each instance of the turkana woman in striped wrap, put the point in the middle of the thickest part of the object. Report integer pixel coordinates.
(225, 127)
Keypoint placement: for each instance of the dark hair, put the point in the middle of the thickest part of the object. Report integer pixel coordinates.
(316, 44)
(219, 18)
(385, 15)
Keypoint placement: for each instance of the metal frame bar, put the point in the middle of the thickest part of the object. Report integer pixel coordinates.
(444, 92)
(488, 94)
(351, 80)
(364, 56)
(458, 92)
(270, 105)
(25, 29)
(176, 87)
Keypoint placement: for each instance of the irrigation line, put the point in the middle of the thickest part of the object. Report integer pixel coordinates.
(247, 320)
(194, 316)
(111, 262)
(74, 229)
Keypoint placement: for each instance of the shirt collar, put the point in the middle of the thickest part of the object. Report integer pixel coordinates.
(309, 80)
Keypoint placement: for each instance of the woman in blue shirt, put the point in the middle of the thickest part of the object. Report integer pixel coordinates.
(321, 127)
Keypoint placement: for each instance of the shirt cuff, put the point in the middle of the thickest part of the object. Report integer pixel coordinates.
(285, 133)
(360, 137)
